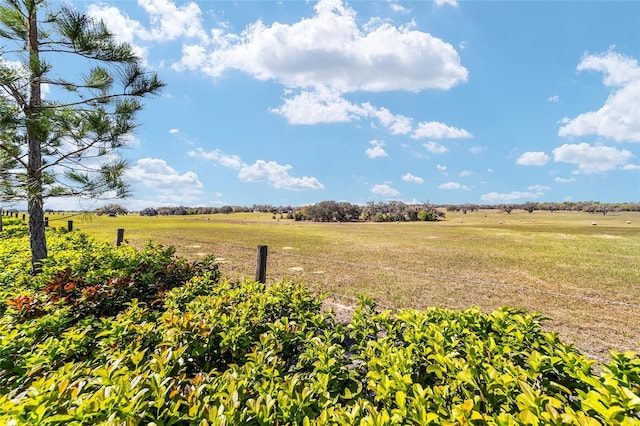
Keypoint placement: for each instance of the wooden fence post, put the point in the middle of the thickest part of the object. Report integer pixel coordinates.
(23, 216)
(69, 225)
(46, 221)
(0, 222)
(120, 237)
(261, 266)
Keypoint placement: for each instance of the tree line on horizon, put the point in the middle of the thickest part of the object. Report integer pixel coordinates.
(390, 211)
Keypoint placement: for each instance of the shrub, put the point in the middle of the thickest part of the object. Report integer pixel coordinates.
(96, 278)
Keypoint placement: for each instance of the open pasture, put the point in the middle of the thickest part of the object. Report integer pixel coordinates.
(585, 278)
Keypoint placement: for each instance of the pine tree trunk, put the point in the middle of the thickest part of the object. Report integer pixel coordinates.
(37, 237)
(35, 204)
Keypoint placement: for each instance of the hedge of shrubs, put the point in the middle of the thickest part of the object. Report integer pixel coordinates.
(112, 335)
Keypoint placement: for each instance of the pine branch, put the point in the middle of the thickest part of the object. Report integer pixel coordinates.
(18, 158)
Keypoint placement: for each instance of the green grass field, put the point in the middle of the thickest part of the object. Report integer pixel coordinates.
(584, 278)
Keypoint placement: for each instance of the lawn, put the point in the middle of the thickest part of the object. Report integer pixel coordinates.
(585, 278)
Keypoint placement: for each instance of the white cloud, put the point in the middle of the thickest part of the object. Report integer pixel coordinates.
(169, 22)
(276, 175)
(46, 90)
(193, 56)
(631, 167)
(166, 22)
(452, 3)
(435, 147)
(441, 167)
(396, 123)
(436, 130)
(618, 69)
(477, 149)
(18, 75)
(496, 197)
(539, 189)
(555, 99)
(331, 50)
(564, 180)
(130, 140)
(397, 7)
(537, 158)
(376, 149)
(619, 117)
(181, 136)
(466, 173)
(454, 186)
(321, 105)
(165, 181)
(411, 178)
(124, 29)
(230, 161)
(592, 159)
(385, 190)
(325, 105)
(156, 172)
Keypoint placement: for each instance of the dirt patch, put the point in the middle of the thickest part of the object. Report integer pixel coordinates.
(566, 237)
(342, 311)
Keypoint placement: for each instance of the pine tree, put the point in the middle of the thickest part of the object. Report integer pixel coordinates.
(64, 144)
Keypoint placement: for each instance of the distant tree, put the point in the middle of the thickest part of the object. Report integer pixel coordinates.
(430, 214)
(411, 213)
(348, 212)
(111, 210)
(264, 208)
(324, 211)
(149, 211)
(397, 211)
(300, 214)
(63, 145)
(368, 211)
(426, 216)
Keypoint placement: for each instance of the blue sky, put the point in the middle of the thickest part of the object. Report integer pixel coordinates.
(294, 102)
